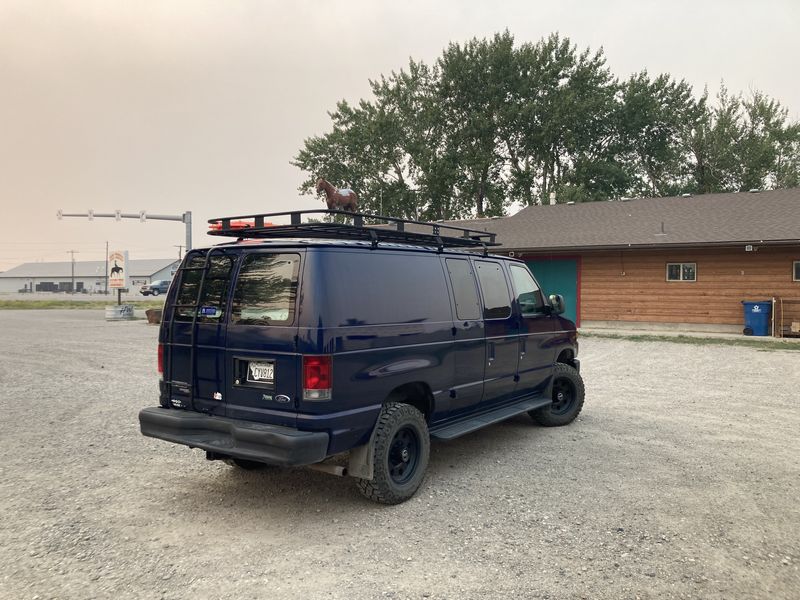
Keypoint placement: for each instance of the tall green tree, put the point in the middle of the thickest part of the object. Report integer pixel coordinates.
(558, 130)
(745, 143)
(656, 120)
(473, 87)
(491, 123)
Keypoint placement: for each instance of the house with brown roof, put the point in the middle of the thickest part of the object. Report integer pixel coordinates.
(688, 261)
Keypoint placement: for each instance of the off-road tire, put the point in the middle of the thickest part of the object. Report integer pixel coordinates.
(247, 465)
(397, 422)
(561, 412)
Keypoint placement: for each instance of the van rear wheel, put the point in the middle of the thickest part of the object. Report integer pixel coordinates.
(401, 449)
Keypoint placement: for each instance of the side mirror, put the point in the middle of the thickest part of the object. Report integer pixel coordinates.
(557, 304)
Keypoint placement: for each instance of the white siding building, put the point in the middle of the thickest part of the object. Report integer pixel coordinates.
(89, 275)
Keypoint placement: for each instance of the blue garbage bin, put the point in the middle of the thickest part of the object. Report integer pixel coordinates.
(756, 317)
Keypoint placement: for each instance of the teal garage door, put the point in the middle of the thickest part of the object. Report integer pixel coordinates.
(560, 276)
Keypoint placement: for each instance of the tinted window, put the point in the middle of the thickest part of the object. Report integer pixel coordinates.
(382, 288)
(464, 291)
(496, 301)
(214, 298)
(266, 289)
(529, 296)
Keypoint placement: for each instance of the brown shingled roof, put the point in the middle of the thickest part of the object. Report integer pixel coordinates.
(770, 217)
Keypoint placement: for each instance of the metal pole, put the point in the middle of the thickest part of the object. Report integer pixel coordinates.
(143, 217)
(105, 292)
(72, 284)
(187, 218)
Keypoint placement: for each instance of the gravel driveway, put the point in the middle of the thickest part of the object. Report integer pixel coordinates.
(679, 480)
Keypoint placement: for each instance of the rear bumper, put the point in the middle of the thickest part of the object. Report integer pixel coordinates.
(271, 444)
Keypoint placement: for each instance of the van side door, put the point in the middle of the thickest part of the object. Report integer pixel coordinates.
(536, 350)
(469, 339)
(502, 332)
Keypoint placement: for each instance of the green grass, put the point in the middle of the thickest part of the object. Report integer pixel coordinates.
(74, 304)
(695, 341)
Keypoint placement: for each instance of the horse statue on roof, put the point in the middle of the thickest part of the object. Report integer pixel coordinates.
(337, 199)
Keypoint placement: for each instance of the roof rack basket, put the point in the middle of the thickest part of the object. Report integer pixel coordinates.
(394, 230)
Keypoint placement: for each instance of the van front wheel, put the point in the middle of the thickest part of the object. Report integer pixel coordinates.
(568, 395)
(401, 449)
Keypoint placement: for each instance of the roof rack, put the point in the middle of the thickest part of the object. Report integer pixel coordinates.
(427, 234)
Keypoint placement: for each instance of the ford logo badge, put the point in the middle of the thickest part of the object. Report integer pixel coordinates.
(282, 398)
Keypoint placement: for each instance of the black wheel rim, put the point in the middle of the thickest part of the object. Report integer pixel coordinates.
(563, 396)
(403, 455)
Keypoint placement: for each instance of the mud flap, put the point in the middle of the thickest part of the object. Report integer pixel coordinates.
(361, 463)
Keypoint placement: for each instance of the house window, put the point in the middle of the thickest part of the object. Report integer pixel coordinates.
(796, 270)
(681, 271)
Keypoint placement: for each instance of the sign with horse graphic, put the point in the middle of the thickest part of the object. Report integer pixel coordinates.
(117, 269)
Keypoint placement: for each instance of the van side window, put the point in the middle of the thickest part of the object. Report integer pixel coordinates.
(468, 307)
(214, 296)
(266, 290)
(529, 296)
(496, 301)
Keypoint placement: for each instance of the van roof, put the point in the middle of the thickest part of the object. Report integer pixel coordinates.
(354, 244)
(343, 225)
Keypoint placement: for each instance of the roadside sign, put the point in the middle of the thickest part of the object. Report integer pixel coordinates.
(117, 269)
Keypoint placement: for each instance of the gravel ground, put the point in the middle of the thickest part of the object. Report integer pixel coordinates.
(679, 480)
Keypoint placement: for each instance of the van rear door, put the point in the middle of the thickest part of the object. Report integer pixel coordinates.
(194, 353)
(262, 363)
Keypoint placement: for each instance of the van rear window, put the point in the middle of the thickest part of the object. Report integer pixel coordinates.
(266, 290)
(214, 296)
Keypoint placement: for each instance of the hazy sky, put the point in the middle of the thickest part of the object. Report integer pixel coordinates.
(167, 106)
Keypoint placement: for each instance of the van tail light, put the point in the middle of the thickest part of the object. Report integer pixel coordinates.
(161, 361)
(317, 377)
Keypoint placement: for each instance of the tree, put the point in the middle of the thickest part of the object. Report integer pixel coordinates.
(656, 121)
(472, 88)
(491, 122)
(559, 131)
(745, 144)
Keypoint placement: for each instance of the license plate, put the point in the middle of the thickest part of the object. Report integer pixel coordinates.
(259, 372)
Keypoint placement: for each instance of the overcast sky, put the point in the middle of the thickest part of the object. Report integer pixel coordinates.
(167, 106)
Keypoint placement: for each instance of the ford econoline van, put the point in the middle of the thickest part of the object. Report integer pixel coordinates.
(349, 346)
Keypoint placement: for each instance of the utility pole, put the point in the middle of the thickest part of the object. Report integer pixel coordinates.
(105, 293)
(72, 253)
(180, 248)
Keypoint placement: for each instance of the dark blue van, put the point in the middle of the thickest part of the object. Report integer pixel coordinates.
(309, 341)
